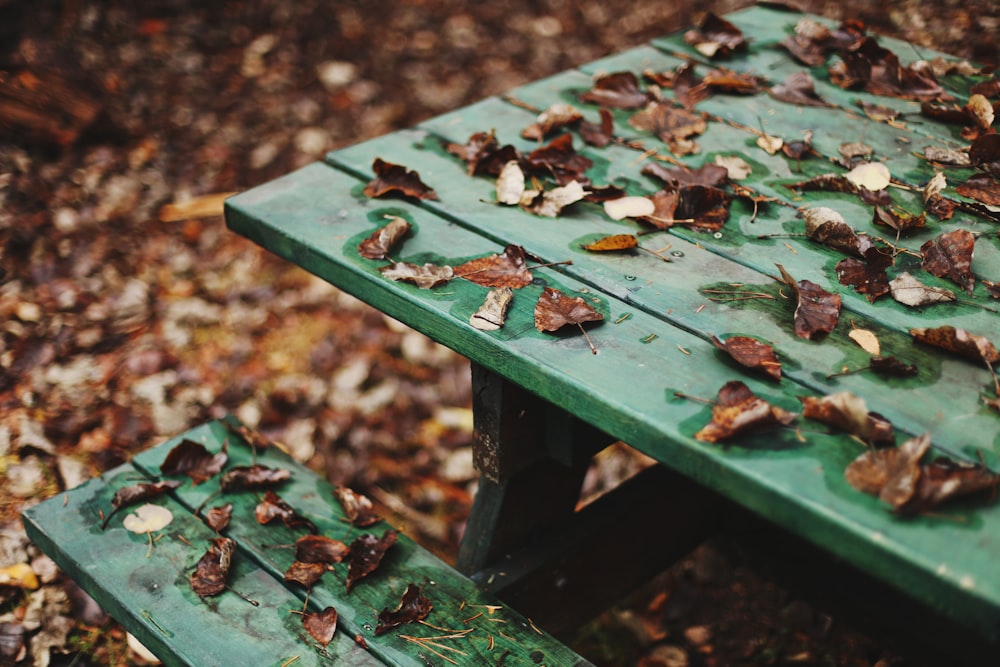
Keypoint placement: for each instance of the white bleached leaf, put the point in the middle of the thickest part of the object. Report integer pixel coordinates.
(818, 215)
(873, 176)
(736, 166)
(867, 340)
(771, 145)
(911, 292)
(510, 184)
(629, 207)
(935, 186)
(982, 109)
(148, 518)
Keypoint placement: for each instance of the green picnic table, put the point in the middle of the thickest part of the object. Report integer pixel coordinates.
(735, 259)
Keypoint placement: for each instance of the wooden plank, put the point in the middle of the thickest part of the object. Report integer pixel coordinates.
(317, 216)
(675, 293)
(145, 586)
(455, 598)
(767, 27)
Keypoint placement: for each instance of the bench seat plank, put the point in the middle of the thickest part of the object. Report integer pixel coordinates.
(146, 587)
(487, 636)
(317, 216)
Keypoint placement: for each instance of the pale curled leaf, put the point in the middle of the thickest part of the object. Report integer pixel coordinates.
(736, 167)
(384, 239)
(427, 276)
(849, 413)
(872, 176)
(909, 291)
(550, 203)
(493, 313)
(737, 411)
(866, 340)
(510, 184)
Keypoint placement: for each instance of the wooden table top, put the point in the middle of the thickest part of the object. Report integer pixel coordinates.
(655, 341)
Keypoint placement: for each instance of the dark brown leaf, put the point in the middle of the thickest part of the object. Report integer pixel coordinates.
(706, 208)
(209, 576)
(877, 70)
(391, 177)
(321, 625)
(669, 123)
(817, 311)
(984, 153)
(130, 495)
(320, 549)
(949, 255)
(618, 90)
(959, 341)
(191, 458)
(483, 155)
(891, 367)
(305, 574)
(245, 478)
(508, 269)
(217, 518)
(558, 157)
(848, 413)
(798, 88)
(826, 226)
(274, 507)
(944, 479)
(891, 474)
(555, 310)
(751, 353)
(366, 554)
(992, 288)
(981, 187)
(730, 82)
(716, 37)
(358, 508)
(427, 276)
(384, 239)
(665, 204)
(600, 134)
(412, 608)
(711, 175)
(737, 410)
(877, 112)
(867, 277)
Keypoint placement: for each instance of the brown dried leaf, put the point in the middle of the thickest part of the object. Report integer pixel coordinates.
(706, 207)
(358, 508)
(366, 554)
(483, 154)
(992, 288)
(878, 112)
(901, 221)
(191, 458)
(559, 158)
(619, 90)
(665, 204)
(320, 549)
(306, 574)
(849, 413)
(826, 226)
(508, 269)
(798, 88)
(217, 518)
(984, 153)
(716, 37)
(737, 410)
(245, 478)
(873, 68)
(412, 608)
(981, 187)
(613, 243)
(274, 507)
(949, 255)
(867, 277)
(556, 117)
(943, 479)
(751, 353)
(711, 175)
(911, 292)
(600, 134)
(959, 341)
(427, 276)
(321, 625)
(817, 311)
(209, 576)
(890, 474)
(493, 313)
(130, 495)
(391, 177)
(555, 310)
(891, 367)
(382, 241)
(667, 122)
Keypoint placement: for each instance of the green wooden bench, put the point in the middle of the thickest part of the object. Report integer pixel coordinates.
(143, 579)
(544, 402)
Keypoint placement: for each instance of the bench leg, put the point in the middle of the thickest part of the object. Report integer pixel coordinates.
(532, 459)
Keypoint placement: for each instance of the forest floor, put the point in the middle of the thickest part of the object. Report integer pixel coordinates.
(129, 313)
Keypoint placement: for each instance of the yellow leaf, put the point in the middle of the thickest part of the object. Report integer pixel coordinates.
(867, 340)
(19, 575)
